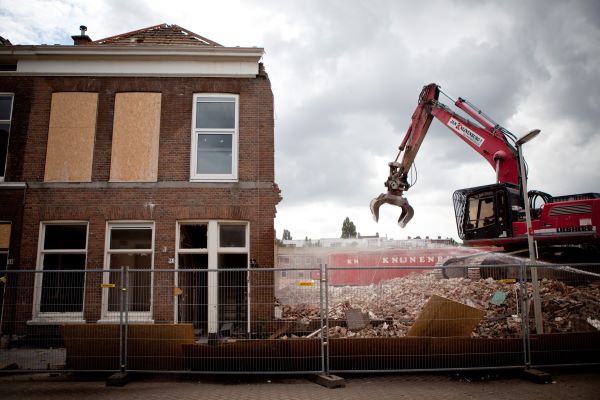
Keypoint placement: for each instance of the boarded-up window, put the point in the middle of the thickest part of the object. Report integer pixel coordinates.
(4, 235)
(71, 137)
(136, 131)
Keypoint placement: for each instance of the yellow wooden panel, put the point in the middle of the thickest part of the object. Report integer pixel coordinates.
(71, 134)
(136, 131)
(4, 236)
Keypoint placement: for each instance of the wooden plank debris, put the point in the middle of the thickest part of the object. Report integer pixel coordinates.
(441, 317)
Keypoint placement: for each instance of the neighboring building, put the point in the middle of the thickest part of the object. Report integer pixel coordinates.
(149, 149)
(350, 261)
(375, 241)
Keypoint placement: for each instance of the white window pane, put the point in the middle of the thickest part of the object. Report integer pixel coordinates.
(232, 236)
(59, 237)
(5, 107)
(139, 282)
(4, 129)
(62, 291)
(214, 154)
(130, 238)
(215, 115)
(193, 236)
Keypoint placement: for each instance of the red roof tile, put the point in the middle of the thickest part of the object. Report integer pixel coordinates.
(163, 34)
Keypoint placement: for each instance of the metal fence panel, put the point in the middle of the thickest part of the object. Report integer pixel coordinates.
(570, 300)
(306, 319)
(43, 311)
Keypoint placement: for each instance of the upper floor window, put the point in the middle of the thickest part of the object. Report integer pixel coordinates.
(71, 133)
(6, 106)
(215, 137)
(136, 137)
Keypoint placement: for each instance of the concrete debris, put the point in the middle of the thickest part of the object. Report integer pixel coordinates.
(390, 308)
(594, 322)
(356, 319)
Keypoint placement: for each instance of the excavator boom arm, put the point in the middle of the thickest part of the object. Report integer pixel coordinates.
(488, 139)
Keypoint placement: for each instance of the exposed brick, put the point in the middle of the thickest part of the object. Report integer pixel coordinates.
(46, 202)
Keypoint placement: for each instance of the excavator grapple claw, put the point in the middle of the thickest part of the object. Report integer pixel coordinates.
(395, 200)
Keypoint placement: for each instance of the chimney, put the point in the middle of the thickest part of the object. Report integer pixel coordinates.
(81, 39)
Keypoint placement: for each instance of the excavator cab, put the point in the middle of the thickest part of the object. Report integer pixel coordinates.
(487, 212)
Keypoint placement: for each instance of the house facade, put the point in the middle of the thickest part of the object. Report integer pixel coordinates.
(152, 151)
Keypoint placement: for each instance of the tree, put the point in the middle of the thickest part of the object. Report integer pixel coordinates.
(348, 229)
(286, 235)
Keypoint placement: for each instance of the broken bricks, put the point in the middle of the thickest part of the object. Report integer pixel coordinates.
(391, 308)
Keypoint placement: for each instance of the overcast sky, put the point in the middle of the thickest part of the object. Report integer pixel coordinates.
(346, 76)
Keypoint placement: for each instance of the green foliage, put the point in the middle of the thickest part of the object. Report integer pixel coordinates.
(348, 229)
(286, 235)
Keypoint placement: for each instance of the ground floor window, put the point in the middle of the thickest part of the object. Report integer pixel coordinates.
(212, 262)
(59, 286)
(130, 248)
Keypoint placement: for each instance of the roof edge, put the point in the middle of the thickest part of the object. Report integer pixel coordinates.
(119, 50)
(207, 41)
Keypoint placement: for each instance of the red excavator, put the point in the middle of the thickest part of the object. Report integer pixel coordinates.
(565, 228)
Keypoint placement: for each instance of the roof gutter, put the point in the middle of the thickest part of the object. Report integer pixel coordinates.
(118, 51)
(148, 60)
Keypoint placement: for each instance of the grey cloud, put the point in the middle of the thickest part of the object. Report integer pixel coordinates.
(497, 75)
(347, 74)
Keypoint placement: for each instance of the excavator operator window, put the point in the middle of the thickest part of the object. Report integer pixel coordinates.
(500, 208)
(481, 211)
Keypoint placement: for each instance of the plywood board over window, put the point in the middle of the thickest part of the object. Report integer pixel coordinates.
(136, 132)
(4, 235)
(71, 135)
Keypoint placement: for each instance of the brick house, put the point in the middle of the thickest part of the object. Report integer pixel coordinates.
(152, 149)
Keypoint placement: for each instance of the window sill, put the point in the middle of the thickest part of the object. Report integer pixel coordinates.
(130, 321)
(58, 320)
(213, 180)
(12, 185)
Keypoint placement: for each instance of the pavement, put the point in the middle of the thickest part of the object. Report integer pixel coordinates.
(580, 383)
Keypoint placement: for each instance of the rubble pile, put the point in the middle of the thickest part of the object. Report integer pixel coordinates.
(391, 307)
(569, 308)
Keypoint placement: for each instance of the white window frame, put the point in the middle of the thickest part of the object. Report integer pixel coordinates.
(133, 316)
(47, 318)
(9, 121)
(233, 177)
(213, 249)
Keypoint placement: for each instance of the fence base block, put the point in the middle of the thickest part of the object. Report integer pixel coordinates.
(118, 379)
(537, 376)
(9, 367)
(329, 381)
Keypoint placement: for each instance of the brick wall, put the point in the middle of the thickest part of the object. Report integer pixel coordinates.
(256, 157)
(252, 199)
(23, 91)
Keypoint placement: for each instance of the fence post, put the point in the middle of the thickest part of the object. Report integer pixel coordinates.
(123, 319)
(523, 299)
(322, 313)
(325, 333)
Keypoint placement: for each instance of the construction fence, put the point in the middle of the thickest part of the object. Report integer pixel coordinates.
(300, 320)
